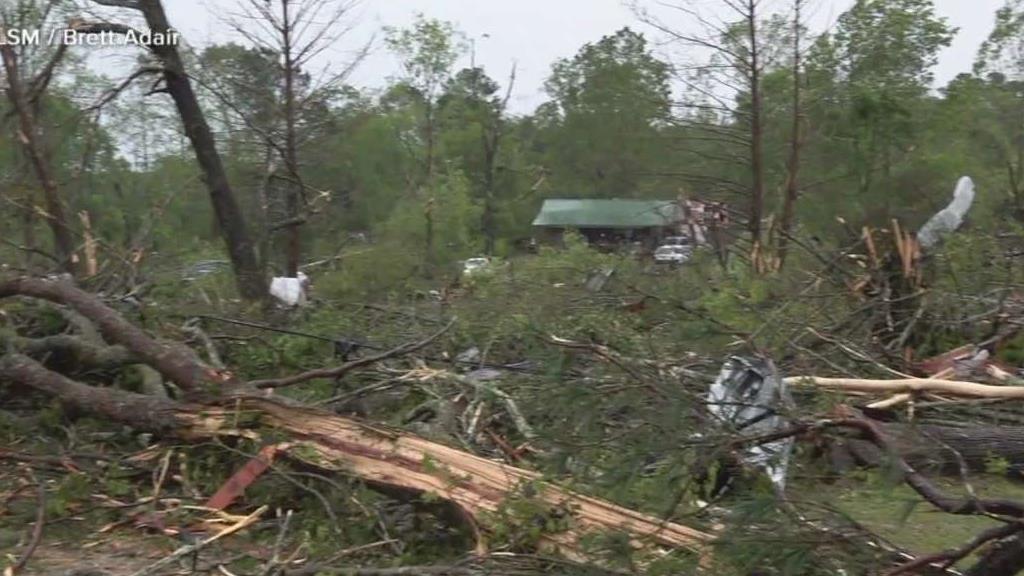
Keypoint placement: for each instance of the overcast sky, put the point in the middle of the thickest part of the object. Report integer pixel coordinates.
(534, 33)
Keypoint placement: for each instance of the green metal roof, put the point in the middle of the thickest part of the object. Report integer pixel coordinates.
(607, 213)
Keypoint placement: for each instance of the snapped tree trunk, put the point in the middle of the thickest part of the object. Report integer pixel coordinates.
(380, 455)
(249, 276)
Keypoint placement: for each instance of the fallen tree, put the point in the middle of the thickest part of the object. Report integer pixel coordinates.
(942, 447)
(910, 386)
(216, 404)
(947, 449)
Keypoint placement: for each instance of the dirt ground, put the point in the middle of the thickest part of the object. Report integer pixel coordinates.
(76, 544)
(117, 554)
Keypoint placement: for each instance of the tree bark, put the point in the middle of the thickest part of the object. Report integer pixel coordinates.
(175, 361)
(756, 130)
(953, 388)
(252, 284)
(1005, 559)
(795, 144)
(294, 247)
(982, 448)
(145, 412)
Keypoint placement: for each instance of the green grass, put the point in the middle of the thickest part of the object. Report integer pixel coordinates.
(901, 516)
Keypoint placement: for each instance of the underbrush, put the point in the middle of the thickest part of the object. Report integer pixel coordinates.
(607, 358)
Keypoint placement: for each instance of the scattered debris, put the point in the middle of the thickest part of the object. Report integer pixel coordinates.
(949, 218)
(468, 356)
(748, 397)
(243, 478)
(290, 291)
(597, 280)
(204, 268)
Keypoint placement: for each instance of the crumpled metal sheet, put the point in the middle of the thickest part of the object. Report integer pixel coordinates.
(949, 218)
(749, 399)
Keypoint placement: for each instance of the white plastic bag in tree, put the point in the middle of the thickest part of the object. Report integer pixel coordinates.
(949, 218)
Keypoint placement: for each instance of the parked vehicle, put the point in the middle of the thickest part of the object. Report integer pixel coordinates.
(474, 266)
(202, 268)
(672, 254)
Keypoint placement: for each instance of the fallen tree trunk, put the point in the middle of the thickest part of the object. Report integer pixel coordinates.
(945, 448)
(379, 455)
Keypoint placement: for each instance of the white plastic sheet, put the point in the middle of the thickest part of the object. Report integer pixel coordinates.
(290, 291)
(949, 218)
(749, 398)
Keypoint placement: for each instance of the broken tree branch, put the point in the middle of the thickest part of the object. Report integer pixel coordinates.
(379, 455)
(909, 385)
(947, 558)
(338, 371)
(176, 362)
(192, 548)
(37, 531)
(73, 347)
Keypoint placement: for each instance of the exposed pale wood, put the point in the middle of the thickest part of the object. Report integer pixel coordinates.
(903, 397)
(475, 484)
(376, 454)
(891, 401)
(908, 385)
(91, 262)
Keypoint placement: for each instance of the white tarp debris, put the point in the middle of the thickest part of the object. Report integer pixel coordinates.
(484, 375)
(748, 398)
(468, 356)
(290, 291)
(949, 218)
(597, 280)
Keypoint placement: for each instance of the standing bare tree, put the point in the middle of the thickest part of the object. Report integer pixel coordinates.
(795, 140)
(296, 32)
(252, 284)
(24, 91)
(736, 67)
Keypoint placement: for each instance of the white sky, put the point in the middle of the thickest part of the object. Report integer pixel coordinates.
(534, 33)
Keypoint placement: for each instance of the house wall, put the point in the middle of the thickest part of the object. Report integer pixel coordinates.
(607, 238)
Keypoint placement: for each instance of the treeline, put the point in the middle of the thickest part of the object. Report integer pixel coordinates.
(844, 124)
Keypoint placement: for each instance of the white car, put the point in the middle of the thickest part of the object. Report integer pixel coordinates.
(672, 254)
(475, 266)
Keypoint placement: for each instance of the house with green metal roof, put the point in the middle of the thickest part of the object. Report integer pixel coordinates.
(607, 221)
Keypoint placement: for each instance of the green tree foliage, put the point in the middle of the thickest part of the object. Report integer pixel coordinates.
(427, 51)
(601, 137)
(1003, 50)
(879, 142)
(870, 80)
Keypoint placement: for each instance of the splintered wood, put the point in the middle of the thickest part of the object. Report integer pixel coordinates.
(476, 485)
